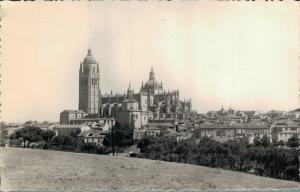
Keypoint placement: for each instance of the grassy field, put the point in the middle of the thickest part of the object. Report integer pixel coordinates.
(26, 169)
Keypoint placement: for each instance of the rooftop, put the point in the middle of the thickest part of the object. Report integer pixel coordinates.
(233, 126)
(73, 111)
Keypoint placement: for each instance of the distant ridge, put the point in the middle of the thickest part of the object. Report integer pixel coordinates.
(42, 170)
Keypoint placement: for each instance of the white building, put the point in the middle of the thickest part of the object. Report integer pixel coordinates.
(69, 130)
(284, 130)
(67, 116)
(92, 136)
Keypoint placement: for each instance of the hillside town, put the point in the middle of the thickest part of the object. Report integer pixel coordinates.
(153, 111)
(121, 123)
(222, 125)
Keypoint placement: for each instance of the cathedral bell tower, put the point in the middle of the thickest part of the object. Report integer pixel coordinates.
(89, 85)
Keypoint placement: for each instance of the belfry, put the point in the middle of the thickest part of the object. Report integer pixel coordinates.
(89, 85)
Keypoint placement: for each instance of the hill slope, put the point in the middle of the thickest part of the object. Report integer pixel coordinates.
(23, 169)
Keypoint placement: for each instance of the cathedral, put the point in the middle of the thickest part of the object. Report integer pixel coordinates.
(151, 101)
(152, 98)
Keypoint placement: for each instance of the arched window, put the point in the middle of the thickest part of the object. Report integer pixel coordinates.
(93, 69)
(96, 80)
(92, 81)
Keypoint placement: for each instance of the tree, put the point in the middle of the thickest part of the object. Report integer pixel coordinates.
(119, 137)
(280, 143)
(75, 133)
(262, 158)
(265, 141)
(257, 142)
(291, 172)
(182, 150)
(29, 134)
(103, 150)
(89, 148)
(47, 136)
(64, 142)
(144, 143)
(293, 142)
(221, 150)
(232, 159)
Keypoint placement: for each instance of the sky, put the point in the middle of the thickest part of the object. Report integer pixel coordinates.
(238, 54)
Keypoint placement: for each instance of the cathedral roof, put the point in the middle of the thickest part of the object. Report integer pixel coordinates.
(89, 59)
(152, 82)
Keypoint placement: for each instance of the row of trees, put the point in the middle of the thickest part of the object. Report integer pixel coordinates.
(115, 142)
(29, 135)
(260, 158)
(35, 137)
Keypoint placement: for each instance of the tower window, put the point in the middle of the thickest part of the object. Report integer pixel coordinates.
(92, 81)
(96, 80)
(94, 69)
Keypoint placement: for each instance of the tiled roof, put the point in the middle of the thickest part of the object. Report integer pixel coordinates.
(287, 123)
(233, 126)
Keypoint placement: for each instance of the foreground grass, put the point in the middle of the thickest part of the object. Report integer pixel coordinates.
(28, 169)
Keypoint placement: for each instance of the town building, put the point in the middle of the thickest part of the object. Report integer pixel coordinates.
(152, 130)
(95, 136)
(294, 114)
(275, 114)
(229, 116)
(67, 116)
(284, 130)
(95, 122)
(69, 130)
(237, 131)
(139, 134)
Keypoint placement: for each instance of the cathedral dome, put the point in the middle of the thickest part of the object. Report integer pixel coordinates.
(152, 82)
(89, 59)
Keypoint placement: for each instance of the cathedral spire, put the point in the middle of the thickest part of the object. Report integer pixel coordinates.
(152, 74)
(89, 51)
(129, 91)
